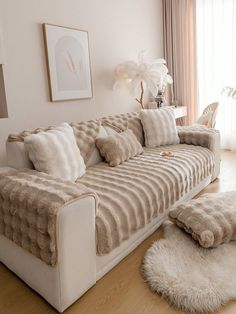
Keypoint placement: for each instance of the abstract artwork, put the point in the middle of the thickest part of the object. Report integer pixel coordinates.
(68, 61)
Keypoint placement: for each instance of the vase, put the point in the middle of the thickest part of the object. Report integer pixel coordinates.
(160, 99)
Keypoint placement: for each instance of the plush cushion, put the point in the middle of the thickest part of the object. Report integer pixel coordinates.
(55, 152)
(119, 147)
(210, 219)
(159, 127)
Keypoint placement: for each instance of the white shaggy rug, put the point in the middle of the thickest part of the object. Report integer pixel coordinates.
(191, 278)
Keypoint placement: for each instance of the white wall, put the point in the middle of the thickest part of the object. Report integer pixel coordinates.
(118, 30)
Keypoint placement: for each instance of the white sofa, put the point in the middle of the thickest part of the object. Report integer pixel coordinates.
(78, 269)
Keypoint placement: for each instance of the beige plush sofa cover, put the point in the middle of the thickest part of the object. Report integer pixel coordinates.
(136, 192)
(133, 200)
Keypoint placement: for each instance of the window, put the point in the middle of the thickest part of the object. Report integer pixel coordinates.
(216, 54)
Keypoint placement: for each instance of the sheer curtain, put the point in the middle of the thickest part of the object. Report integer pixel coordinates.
(216, 61)
(180, 51)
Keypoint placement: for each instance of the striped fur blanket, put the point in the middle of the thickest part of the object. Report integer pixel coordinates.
(137, 191)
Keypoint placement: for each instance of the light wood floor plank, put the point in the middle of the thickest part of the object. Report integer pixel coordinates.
(122, 290)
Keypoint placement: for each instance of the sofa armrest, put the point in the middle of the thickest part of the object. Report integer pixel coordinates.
(200, 136)
(75, 269)
(205, 137)
(29, 205)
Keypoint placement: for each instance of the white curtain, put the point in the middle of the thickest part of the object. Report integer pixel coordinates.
(216, 62)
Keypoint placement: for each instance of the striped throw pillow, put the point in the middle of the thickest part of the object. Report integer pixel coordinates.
(159, 127)
(55, 152)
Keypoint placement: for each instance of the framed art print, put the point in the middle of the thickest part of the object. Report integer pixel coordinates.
(68, 60)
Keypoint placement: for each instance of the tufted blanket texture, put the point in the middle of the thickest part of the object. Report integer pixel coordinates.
(135, 192)
(210, 219)
(201, 136)
(85, 135)
(130, 195)
(87, 132)
(205, 137)
(119, 147)
(159, 127)
(126, 121)
(29, 204)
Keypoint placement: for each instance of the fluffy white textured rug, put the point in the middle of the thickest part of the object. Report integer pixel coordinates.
(191, 278)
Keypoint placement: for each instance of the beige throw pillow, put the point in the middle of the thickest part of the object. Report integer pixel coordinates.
(159, 127)
(210, 219)
(119, 147)
(55, 152)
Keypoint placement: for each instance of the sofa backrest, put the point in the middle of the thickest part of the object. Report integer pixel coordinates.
(85, 134)
(126, 121)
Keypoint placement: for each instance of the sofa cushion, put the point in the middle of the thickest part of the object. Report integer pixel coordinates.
(119, 147)
(159, 127)
(55, 152)
(135, 192)
(210, 219)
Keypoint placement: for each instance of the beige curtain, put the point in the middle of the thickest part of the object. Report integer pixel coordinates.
(180, 52)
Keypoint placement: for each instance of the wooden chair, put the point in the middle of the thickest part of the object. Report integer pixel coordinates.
(214, 109)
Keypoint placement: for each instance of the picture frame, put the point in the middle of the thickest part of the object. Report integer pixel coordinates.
(68, 63)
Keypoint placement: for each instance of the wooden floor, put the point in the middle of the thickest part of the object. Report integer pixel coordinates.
(121, 291)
